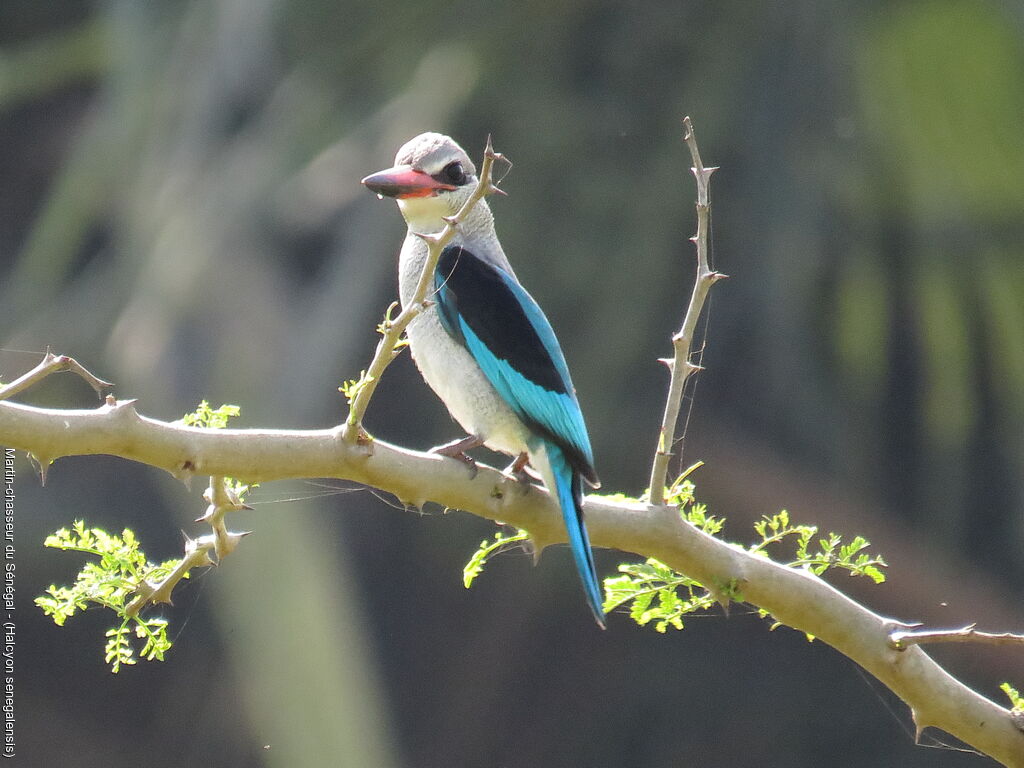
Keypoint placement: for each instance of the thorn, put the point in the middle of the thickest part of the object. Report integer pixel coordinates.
(716, 276)
(245, 507)
(206, 560)
(211, 510)
(123, 408)
(430, 239)
(451, 220)
(226, 544)
(110, 401)
(537, 547)
(668, 361)
(493, 190)
(489, 148)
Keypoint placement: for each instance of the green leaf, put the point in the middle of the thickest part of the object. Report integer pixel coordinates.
(656, 594)
(111, 582)
(205, 416)
(1015, 698)
(487, 549)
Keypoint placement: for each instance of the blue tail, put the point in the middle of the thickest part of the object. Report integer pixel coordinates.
(569, 492)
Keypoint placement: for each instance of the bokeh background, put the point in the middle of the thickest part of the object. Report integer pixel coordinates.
(180, 209)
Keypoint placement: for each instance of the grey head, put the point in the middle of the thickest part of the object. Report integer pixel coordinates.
(431, 178)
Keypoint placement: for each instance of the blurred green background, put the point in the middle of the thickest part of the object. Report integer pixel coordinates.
(180, 209)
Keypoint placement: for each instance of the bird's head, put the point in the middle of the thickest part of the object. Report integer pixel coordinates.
(432, 177)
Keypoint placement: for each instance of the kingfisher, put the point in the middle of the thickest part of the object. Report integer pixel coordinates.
(483, 344)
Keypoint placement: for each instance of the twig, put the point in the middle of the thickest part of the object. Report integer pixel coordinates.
(392, 330)
(679, 365)
(222, 500)
(52, 363)
(900, 640)
(197, 554)
(222, 542)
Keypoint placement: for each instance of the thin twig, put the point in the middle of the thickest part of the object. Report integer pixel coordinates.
(221, 542)
(902, 639)
(222, 500)
(197, 554)
(679, 365)
(392, 330)
(52, 363)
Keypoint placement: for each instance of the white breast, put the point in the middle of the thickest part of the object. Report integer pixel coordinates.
(451, 371)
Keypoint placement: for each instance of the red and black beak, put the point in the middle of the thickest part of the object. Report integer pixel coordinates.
(404, 181)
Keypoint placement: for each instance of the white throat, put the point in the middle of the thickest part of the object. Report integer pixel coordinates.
(424, 214)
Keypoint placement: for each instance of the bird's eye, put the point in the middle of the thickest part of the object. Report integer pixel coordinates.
(453, 174)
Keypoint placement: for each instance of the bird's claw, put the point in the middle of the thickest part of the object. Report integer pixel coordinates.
(457, 450)
(517, 469)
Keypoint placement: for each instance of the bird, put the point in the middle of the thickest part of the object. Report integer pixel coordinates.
(483, 344)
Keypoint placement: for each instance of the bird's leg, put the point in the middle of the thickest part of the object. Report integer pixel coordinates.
(456, 449)
(518, 468)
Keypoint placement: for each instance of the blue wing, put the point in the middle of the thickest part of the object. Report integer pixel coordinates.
(513, 343)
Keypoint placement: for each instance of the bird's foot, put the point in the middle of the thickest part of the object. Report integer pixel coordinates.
(456, 449)
(517, 469)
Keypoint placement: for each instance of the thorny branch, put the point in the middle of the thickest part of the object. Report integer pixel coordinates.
(221, 541)
(679, 365)
(52, 363)
(901, 639)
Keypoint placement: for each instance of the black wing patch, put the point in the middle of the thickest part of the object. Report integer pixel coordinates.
(480, 294)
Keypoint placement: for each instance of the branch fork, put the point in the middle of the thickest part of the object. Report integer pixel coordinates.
(220, 499)
(52, 363)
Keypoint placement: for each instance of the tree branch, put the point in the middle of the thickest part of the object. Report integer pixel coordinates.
(793, 597)
(679, 365)
(52, 363)
(901, 639)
